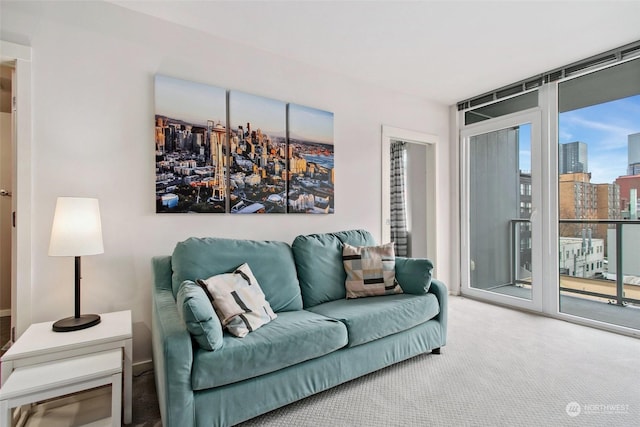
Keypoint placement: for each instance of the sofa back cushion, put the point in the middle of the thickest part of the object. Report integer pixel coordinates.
(271, 263)
(318, 259)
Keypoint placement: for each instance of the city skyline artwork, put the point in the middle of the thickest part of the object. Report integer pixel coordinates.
(221, 151)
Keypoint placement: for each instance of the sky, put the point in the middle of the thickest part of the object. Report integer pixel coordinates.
(310, 124)
(268, 115)
(604, 128)
(196, 103)
(524, 140)
(192, 102)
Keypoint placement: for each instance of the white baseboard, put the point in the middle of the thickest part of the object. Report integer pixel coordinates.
(138, 367)
(5, 312)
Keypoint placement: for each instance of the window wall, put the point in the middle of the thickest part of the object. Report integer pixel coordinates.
(598, 146)
(580, 230)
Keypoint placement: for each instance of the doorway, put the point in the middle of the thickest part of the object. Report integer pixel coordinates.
(18, 59)
(418, 152)
(502, 239)
(6, 188)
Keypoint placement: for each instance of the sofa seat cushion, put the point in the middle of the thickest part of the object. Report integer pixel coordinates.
(368, 319)
(293, 337)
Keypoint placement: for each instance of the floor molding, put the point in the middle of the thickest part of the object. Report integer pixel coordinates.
(139, 367)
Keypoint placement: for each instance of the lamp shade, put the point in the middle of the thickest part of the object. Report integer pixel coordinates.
(76, 229)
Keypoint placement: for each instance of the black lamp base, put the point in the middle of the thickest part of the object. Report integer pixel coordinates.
(76, 323)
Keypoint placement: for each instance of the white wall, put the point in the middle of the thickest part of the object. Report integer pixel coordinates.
(93, 108)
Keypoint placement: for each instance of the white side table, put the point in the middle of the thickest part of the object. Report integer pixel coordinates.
(39, 344)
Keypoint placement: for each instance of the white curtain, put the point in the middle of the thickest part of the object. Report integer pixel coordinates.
(399, 231)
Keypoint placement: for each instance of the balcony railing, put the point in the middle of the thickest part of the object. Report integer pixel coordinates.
(619, 297)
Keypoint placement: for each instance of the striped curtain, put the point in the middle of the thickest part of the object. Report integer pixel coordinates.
(399, 231)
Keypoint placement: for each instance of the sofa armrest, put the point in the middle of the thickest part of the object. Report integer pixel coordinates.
(413, 274)
(414, 277)
(442, 293)
(172, 352)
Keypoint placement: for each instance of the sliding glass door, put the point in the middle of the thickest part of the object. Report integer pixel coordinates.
(501, 221)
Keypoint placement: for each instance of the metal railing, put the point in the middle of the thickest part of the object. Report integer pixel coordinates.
(620, 298)
(619, 223)
(515, 250)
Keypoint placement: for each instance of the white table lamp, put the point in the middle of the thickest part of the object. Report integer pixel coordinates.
(76, 231)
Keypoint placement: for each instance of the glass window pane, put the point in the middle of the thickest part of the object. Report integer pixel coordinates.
(598, 148)
(499, 232)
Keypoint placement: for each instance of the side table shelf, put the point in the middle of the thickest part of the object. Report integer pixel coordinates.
(33, 383)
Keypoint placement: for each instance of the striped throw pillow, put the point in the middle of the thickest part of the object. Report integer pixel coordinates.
(238, 301)
(370, 270)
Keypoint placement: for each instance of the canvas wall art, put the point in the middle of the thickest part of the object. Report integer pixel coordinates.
(311, 179)
(221, 151)
(258, 154)
(190, 146)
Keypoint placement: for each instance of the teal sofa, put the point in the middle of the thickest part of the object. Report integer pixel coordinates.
(318, 340)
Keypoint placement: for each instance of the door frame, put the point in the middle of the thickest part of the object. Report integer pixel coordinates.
(430, 141)
(19, 57)
(534, 117)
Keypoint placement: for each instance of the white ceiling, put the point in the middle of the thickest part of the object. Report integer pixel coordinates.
(445, 51)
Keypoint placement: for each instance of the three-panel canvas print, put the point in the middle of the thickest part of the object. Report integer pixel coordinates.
(221, 151)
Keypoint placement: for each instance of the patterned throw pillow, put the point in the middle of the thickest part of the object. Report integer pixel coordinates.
(238, 300)
(370, 270)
